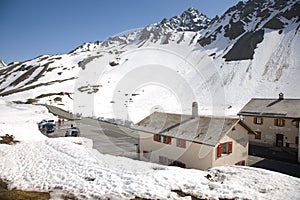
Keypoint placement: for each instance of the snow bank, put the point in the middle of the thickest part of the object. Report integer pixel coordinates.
(68, 167)
(21, 120)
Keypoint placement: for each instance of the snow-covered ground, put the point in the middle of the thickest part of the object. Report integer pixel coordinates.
(21, 120)
(70, 166)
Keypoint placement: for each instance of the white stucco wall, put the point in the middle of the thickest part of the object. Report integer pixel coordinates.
(240, 145)
(197, 155)
(269, 130)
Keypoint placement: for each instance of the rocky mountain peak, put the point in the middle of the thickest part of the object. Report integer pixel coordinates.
(189, 20)
(245, 23)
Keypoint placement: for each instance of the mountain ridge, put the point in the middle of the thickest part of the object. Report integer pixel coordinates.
(253, 46)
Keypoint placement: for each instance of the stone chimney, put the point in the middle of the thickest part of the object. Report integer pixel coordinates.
(194, 109)
(280, 96)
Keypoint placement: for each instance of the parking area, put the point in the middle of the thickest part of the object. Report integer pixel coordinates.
(107, 138)
(274, 158)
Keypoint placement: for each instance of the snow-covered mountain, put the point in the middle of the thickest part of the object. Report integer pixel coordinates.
(2, 64)
(250, 51)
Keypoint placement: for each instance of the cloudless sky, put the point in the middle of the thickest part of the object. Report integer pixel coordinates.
(29, 28)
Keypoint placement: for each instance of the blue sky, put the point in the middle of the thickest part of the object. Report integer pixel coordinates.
(30, 28)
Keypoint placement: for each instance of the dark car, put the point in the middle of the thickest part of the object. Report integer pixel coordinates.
(49, 127)
(46, 127)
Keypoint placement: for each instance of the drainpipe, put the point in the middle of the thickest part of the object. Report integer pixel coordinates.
(299, 141)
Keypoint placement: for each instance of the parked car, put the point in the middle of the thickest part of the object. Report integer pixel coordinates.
(47, 126)
(72, 132)
(78, 116)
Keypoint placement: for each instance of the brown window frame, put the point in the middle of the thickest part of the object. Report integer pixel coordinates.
(224, 149)
(162, 138)
(255, 120)
(258, 135)
(279, 122)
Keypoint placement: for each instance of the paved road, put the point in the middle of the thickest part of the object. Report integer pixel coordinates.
(291, 169)
(107, 138)
(274, 159)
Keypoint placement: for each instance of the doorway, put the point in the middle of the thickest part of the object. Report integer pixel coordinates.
(279, 140)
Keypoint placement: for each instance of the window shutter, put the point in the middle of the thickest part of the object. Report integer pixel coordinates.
(262, 120)
(230, 147)
(219, 153)
(183, 143)
(181, 165)
(155, 137)
(297, 124)
(283, 122)
(168, 140)
(243, 163)
(254, 120)
(297, 140)
(276, 122)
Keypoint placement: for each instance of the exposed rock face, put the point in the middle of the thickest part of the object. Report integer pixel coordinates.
(244, 24)
(244, 48)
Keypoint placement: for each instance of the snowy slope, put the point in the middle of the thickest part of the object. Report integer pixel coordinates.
(250, 51)
(64, 167)
(21, 120)
(70, 167)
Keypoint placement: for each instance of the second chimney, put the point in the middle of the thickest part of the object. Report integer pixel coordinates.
(280, 96)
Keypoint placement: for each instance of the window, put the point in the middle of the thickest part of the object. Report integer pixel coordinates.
(162, 138)
(279, 122)
(258, 135)
(164, 160)
(297, 140)
(147, 154)
(180, 143)
(258, 120)
(224, 149)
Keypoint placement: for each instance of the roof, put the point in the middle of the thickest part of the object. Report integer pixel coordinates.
(203, 129)
(282, 108)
